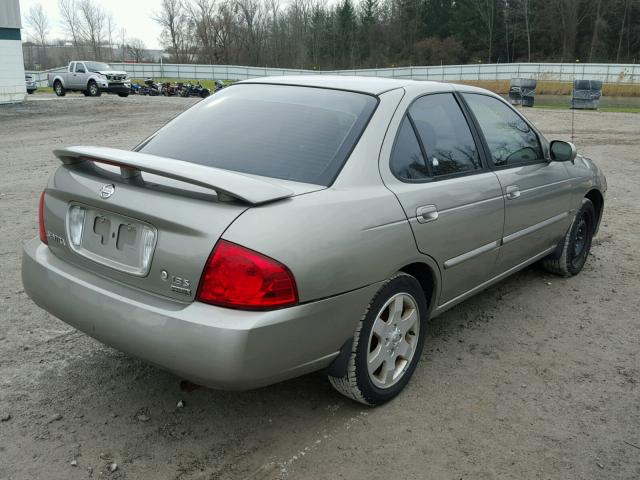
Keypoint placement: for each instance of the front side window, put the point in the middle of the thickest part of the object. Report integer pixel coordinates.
(80, 68)
(510, 139)
(445, 134)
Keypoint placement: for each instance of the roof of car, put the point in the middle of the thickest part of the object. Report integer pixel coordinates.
(371, 85)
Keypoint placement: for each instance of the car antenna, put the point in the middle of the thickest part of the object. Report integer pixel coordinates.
(573, 116)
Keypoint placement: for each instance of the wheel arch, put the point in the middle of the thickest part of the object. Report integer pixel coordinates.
(427, 279)
(598, 204)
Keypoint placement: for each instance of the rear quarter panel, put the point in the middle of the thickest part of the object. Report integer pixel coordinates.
(333, 241)
(349, 235)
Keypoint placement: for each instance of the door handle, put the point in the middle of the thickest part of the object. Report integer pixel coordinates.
(513, 191)
(427, 213)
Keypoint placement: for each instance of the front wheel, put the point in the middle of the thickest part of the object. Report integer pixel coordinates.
(387, 344)
(93, 89)
(576, 244)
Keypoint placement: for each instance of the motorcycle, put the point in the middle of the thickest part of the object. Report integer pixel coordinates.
(189, 90)
(150, 88)
(168, 90)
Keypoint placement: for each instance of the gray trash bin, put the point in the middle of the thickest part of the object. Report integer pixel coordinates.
(522, 91)
(586, 94)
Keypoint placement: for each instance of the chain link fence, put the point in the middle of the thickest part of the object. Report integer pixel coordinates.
(561, 72)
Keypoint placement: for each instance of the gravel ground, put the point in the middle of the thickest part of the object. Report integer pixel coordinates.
(537, 377)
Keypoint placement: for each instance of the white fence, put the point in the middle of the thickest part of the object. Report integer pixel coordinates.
(564, 72)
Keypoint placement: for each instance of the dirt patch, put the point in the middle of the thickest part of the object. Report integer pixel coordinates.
(537, 377)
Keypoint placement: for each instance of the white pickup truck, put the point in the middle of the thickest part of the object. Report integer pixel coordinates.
(91, 78)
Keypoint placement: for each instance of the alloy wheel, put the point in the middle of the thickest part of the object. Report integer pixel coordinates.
(393, 340)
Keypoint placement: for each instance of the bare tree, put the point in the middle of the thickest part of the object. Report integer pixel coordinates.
(175, 28)
(38, 24)
(252, 22)
(111, 30)
(92, 25)
(136, 49)
(123, 43)
(206, 24)
(627, 3)
(527, 27)
(486, 10)
(70, 21)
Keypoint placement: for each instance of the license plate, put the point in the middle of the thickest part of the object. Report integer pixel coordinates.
(114, 240)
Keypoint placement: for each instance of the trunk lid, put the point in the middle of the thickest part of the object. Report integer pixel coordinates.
(146, 221)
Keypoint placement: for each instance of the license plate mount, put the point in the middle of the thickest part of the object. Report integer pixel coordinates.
(117, 241)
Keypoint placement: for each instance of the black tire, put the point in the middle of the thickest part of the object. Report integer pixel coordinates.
(123, 95)
(85, 93)
(59, 89)
(93, 89)
(576, 244)
(30, 92)
(357, 384)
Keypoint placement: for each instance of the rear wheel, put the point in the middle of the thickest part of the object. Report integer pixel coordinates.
(387, 344)
(576, 244)
(59, 89)
(123, 95)
(93, 89)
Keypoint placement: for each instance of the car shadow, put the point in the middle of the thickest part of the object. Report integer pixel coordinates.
(106, 394)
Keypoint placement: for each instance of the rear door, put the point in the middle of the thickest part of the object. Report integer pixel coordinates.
(537, 191)
(452, 200)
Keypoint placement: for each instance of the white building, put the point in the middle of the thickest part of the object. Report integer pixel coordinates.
(12, 86)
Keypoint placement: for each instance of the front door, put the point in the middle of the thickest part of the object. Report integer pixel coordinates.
(79, 76)
(453, 201)
(537, 191)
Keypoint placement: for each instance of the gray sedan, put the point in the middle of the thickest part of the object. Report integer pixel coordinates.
(295, 224)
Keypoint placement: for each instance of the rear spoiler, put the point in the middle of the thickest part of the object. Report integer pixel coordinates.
(227, 184)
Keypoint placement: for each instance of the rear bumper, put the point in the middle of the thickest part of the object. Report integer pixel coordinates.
(212, 346)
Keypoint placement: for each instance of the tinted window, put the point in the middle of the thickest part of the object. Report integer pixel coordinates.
(293, 133)
(80, 68)
(445, 134)
(511, 141)
(407, 162)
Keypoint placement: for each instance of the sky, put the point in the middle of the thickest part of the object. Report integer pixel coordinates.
(132, 15)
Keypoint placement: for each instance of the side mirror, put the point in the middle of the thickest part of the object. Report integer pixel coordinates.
(562, 151)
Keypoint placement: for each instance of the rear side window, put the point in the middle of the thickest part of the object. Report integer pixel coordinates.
(446, 146)
(445, 134)
(511, 141)
(293, 133)
(407, 162)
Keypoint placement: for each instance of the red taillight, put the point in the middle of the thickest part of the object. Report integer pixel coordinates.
(237, 277)
(43, 232)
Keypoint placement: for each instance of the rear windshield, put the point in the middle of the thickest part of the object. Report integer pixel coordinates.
(293, 133)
